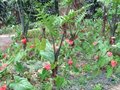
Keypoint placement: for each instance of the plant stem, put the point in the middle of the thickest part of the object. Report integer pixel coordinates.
(56, 54)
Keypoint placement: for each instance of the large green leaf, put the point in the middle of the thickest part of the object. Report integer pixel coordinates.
(21, 84)
(19, 56)
(48, 53)
(19, 67)
(40, 45)
(43, 44)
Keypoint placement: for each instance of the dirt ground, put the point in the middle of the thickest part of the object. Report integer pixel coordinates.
(117, 87)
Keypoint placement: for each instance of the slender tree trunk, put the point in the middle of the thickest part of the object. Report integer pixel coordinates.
(115, 20)
(21, 14)
(104, 19)
(22, 19)
(57, 6)
(113, 26)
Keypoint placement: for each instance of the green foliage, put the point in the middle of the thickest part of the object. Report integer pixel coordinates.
(82, 53)
(66, 2)
(21, 84)
(44, 75)
(97, 87)
(109, 71)
(48, 86)
(19, 67)
(59, 81)
(19, 56)
(43, 44)
(48, 53)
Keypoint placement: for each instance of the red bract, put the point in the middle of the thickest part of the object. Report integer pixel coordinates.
(4, 87)
(113, 63)
(70, 62)
(47, 67)
(109, 54)
(24, 41)
(70, 42)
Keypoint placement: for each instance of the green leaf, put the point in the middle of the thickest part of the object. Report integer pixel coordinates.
(44, 74)
(79, 19)
(48, 86)
(43, 44)
(19, 67)
(48, 53)
(87, 67)
(59, 81)
(103, 61)
(19, 56)
(118, 69)
(116, 1)
(37, 42)
(97, 87)
(75, 69)
(21, 84)
(109, 71)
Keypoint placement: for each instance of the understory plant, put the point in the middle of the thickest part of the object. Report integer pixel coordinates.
(68, 47)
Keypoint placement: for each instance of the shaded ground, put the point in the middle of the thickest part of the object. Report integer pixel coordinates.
(107, 84)
(117, 87)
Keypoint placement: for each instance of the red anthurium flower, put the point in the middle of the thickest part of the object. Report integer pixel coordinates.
(109, 54)
(70, 62)
(70, 42)
(4, 87)
(47, 67)
(113, 63)
(24, 41)
(32, 46)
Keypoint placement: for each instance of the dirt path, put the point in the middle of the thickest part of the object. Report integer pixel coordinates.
(117, 87)
(5, 41)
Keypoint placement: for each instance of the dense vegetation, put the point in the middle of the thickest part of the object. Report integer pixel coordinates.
(60, 45)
